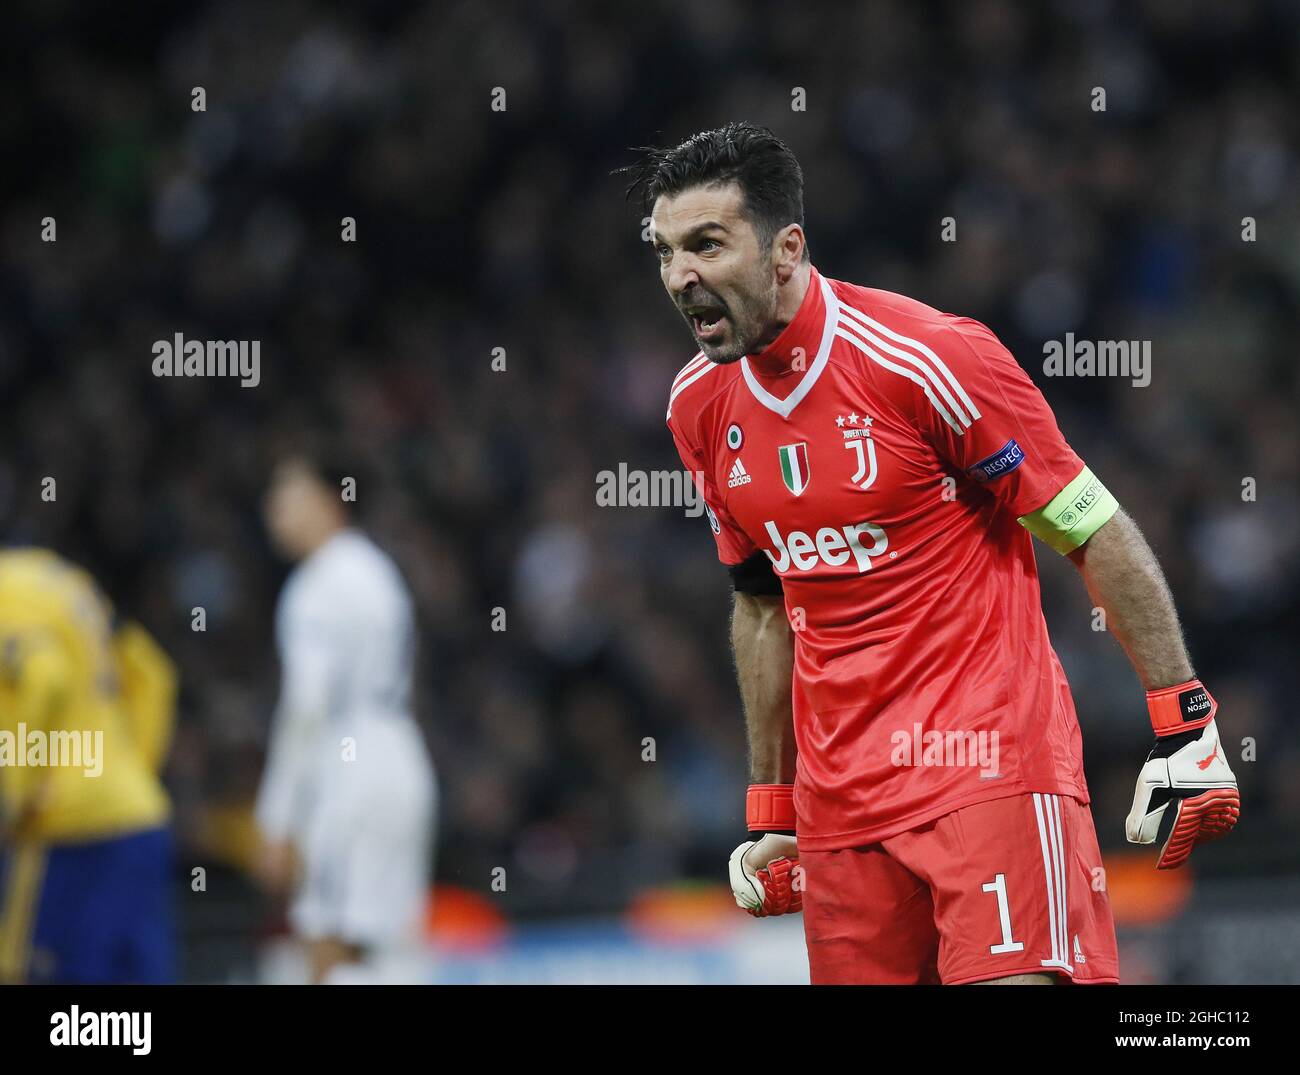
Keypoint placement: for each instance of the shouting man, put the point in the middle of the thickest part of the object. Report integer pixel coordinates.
(874, 470)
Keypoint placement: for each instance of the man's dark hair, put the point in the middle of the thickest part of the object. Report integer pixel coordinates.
(745, 153)
(330, 465)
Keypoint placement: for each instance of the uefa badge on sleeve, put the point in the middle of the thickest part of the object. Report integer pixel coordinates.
(714, 525)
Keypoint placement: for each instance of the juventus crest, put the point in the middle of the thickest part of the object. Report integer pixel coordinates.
(857, 440)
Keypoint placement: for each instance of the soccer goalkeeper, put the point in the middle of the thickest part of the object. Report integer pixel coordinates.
(874, 470)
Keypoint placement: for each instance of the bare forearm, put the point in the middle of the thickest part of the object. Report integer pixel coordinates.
(1124, 579)
(764, 651)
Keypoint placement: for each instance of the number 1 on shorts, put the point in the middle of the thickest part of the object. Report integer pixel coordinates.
(999, 885)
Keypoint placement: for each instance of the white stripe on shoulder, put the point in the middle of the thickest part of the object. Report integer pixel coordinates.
(690, 367)
(922, 357)
(851, 335)
(684, 382)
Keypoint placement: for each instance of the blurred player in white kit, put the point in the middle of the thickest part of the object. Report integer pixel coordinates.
(348, 799)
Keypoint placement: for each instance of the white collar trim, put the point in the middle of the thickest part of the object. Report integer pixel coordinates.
(783, 407)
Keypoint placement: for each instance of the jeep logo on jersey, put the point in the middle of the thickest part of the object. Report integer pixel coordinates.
(794, 466)
(828, 546)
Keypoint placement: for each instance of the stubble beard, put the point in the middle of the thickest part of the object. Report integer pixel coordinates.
(748, 328)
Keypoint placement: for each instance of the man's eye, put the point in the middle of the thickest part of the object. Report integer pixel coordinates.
(662, 251)
(707, 244)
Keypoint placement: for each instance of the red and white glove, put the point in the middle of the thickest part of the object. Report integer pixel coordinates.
(1186, 794)
(766, 877)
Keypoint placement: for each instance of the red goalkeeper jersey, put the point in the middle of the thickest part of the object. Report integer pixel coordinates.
(883, 455)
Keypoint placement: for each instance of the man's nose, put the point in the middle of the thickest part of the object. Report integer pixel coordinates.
(682, 274)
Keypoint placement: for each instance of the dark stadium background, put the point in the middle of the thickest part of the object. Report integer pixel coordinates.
(479, 230)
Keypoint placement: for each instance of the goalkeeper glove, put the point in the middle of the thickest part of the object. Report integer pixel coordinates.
(1186, 793)
(766, 878)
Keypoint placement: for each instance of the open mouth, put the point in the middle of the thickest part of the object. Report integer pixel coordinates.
(709, 324)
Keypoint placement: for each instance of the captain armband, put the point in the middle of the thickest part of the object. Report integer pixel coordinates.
(756, 577)
(1072, 516)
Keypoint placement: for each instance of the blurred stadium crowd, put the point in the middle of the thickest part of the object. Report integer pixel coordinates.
(479, 229)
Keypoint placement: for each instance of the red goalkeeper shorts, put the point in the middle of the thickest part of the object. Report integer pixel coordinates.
(1009, 886)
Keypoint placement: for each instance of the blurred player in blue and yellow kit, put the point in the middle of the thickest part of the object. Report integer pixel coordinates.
(86, 715)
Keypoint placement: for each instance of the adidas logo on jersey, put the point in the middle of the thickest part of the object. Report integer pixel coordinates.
(739, 475)
(829, 546)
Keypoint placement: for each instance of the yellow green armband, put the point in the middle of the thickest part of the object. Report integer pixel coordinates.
(1072, 516)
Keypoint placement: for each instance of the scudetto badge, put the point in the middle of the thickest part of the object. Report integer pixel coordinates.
(735, 438)
(794, 466)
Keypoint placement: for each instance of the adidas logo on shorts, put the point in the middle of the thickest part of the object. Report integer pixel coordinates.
(739, 476)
